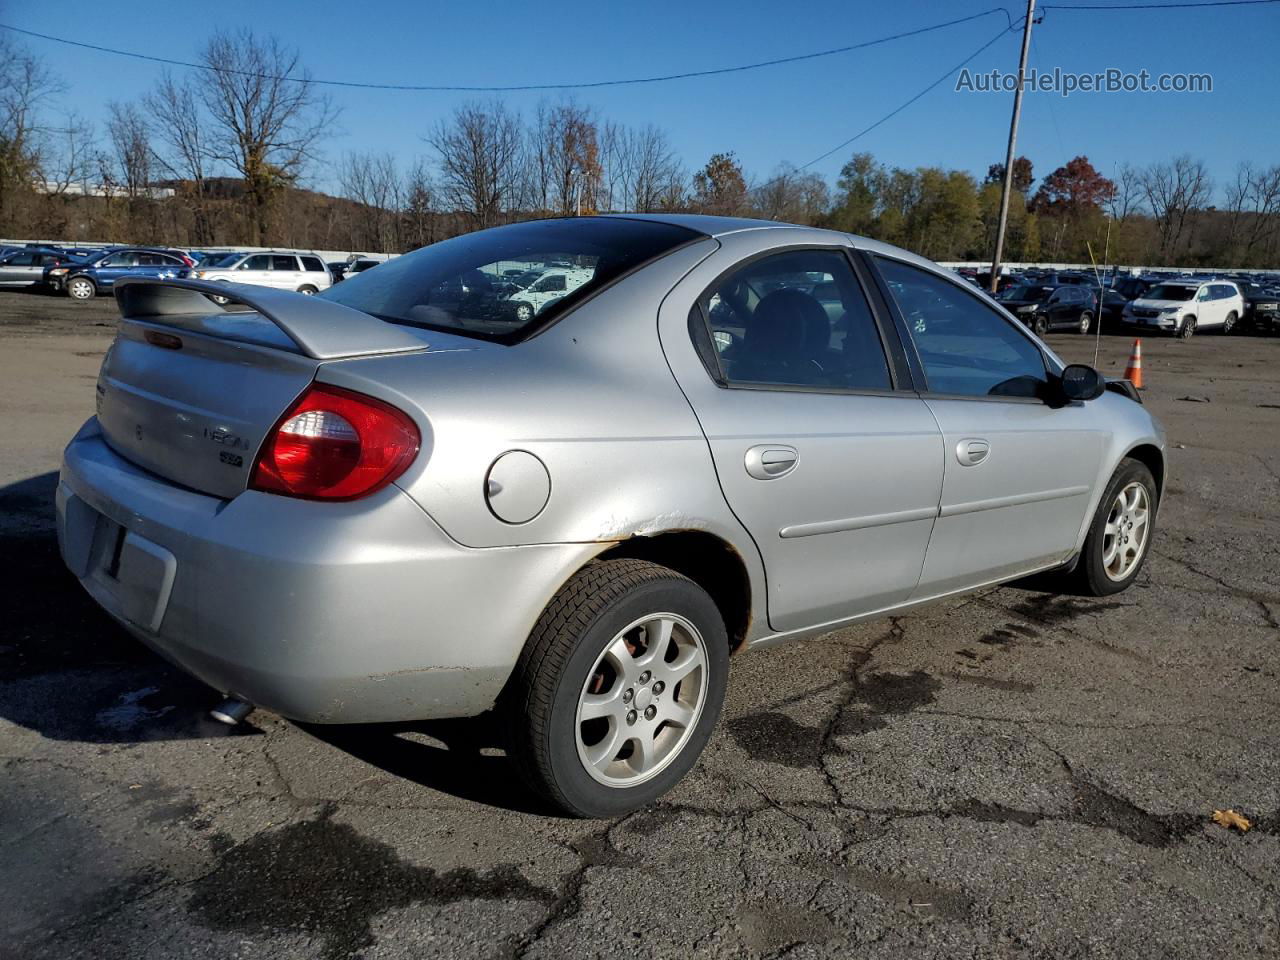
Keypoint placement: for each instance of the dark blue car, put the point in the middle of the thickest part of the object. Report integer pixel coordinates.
(85, 280)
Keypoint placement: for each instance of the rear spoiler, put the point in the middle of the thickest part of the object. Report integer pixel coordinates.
(321, 329)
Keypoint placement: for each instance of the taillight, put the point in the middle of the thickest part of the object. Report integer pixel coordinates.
(188, 261)
(334, 444)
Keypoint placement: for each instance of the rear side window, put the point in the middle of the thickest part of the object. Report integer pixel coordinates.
(312, 265)
(457, 285)
(966, 348)
(283, 262)
(797, 319)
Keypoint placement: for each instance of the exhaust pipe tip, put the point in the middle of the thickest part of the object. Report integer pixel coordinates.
(231, 711)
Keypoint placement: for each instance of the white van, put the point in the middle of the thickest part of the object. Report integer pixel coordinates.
(1182, 307)
(305, 273)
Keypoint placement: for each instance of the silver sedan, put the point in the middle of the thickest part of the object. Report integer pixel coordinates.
(409, 498)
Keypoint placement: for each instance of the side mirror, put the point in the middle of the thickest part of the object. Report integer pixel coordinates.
(1081, 382)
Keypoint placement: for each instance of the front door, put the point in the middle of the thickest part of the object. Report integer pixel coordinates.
(256, 269)
(1018, 473)
(835, 474)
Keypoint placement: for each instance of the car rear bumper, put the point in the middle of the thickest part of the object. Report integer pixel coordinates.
(322, 612)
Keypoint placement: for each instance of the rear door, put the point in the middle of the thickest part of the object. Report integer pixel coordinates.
(834, 473)
(284, 271)
(1018, 473)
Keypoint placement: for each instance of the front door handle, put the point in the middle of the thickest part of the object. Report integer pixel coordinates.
(769, 461)
(972, 452)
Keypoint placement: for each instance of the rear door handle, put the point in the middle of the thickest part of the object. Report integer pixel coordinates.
(972, 452)
(769, 461)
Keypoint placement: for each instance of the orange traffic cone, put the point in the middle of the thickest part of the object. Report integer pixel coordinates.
(1133, 372)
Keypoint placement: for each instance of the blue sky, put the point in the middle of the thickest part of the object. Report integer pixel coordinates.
(785, 113)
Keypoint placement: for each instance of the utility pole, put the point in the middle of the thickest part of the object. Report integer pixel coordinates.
(1013, 140)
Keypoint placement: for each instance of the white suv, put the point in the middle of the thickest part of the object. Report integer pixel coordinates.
(1182, 307)
(549, 287)
(305, 273)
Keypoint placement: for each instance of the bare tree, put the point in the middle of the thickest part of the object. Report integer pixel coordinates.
(130, 141)
(1127, 198)
(642, 171)
(1253, 206)
(374, 182)
(564, 150)
(184, 152)
(1172, 191)
(72, 157)
(479, 153)
(792, 196)
(420, 214)
(268, 115)
(25, 84)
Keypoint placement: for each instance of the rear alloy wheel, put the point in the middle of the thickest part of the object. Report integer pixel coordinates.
(308, 290)
(1229, 324)
(1120, 533)
(81, 288)
(1086, 321)
(1188, 328)
(618, 689)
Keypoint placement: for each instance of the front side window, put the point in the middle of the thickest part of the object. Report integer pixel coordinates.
(796, 319)
(457, 285)
(121, 260)
(21, 260)
(260, 261)
(966, 348)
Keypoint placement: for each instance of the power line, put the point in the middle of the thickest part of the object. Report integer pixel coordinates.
(1155, 6)
(897, 110)
(512, 88)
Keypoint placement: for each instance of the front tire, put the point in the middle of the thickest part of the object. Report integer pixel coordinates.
(1040, 325)
(618, 689)
(1188, 328)
(1119, 537)
(81, 288)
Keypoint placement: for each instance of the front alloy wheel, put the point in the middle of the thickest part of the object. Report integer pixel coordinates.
(1188, 328)
(617, 689)
(1120, 533)
(81, 289)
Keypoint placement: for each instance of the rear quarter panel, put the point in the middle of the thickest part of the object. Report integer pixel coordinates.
(592, 397)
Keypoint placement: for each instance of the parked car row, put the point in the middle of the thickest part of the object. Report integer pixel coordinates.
(1179, 305)
(84, 273)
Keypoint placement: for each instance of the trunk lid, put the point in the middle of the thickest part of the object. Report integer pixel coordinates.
(190, 388)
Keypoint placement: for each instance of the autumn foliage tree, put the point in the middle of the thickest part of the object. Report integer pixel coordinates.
(720, 188)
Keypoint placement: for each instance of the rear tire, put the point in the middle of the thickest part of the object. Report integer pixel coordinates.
(1120, 534)
(81, 288)
(1086, 322)
(646, 722)
(1229, 324)
(308, 290)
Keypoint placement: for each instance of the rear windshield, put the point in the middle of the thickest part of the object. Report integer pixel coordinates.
(467, 285)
